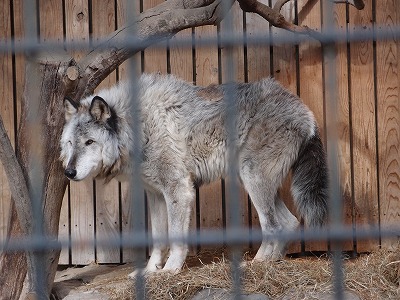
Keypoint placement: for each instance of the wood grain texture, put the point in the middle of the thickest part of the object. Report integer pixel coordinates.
(123, 72)
(232, 69)
(19, 80)
(51, 29)
(258, 56)
(344, 129)
(64, 230)
(82, 194)
(258, 67)
(285, 71)
(107, 195)
(6, 110)
(364, 127)
(311, 78)
(155, 57)
(182, 65)
(207, 72)
(388, 79)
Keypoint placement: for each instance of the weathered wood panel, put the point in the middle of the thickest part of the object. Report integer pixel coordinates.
(182, 65)
(388, 118)
(81, 193)
(6, 106)
(211, 212)
(232, 69)
(344, 130)
(257, 66)
(106, 196)
(364, 127)
(311, 85)
(285, 70)
(52, 29)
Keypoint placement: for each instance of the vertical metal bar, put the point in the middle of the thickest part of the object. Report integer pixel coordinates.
(336, 201)
(136, 186)
(36, 258)
(232, 187)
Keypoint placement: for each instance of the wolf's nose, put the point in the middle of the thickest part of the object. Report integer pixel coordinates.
(70, 173)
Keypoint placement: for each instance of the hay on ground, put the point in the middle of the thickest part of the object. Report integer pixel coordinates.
(372, 276)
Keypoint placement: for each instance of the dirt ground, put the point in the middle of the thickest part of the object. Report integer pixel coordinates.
(369, 276)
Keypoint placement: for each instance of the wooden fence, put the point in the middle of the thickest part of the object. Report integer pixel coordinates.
(367, 89)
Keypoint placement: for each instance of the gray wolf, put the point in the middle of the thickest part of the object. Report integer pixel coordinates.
(184, 142)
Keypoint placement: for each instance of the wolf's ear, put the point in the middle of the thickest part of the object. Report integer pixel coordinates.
(70, 108)
(99, 109)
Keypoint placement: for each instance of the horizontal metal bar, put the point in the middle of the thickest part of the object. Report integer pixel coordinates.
(234, 236)
(359, 34)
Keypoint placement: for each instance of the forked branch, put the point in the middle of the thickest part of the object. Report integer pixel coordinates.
(274, 16)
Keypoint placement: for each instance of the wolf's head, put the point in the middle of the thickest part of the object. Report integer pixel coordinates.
(89, 142)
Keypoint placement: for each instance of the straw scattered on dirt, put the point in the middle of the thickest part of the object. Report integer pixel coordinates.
(372, 276)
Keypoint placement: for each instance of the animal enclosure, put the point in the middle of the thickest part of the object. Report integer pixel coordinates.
(367, 90)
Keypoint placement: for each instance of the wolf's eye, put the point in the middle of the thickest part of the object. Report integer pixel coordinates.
(89, 142)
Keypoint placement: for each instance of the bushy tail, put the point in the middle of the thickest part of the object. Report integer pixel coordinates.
(310, 182)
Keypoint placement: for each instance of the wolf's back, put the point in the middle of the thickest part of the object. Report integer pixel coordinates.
(310, 182)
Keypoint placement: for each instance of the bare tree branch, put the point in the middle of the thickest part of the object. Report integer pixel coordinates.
(153, 25)
(16, 180)
(359, 4)
(276, 18)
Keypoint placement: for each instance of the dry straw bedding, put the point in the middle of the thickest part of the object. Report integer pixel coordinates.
(372, 276)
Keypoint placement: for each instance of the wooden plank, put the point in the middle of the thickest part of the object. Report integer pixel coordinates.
(51, 29)
(181, 65)
(51, 20)
(311, 79)
(107, 196)
(155, 57)
(123, 74)
(232, 59)
(364, 127)
(258, 67)
(344, 150)
(284, 70)
(388, 79)
(284, 56)
(64, 230)
(258, 56)
(6, 110)
(19, 57)
(82, 208)
(210, 196)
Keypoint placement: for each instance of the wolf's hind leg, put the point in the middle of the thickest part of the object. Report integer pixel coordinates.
(288, 223)
(262, 194)
(272, 212)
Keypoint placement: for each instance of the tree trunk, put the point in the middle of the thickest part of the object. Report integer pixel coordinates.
(12, 261)
(52, 85)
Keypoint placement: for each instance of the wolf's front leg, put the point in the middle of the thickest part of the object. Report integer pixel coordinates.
(159, 229)
(179, 205)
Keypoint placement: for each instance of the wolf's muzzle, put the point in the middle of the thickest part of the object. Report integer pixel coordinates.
(70, 173)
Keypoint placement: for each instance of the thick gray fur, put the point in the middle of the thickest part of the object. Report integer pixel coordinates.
(184, 142)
